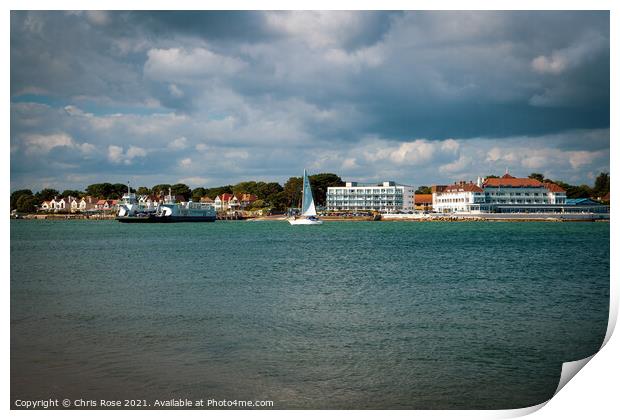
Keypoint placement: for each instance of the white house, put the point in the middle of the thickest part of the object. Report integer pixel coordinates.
(458, 197)
(87, 203)
(247, 199)
(221, 202)
(74, 204)
(61, 204)
(105, 204)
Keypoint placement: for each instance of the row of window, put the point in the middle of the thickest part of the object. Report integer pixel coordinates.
(361, 191)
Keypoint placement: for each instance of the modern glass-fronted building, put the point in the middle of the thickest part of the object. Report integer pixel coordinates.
(387, 197)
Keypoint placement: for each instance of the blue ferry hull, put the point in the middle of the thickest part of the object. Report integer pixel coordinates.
(165, 219)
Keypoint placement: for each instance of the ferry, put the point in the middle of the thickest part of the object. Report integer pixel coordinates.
(131, 211)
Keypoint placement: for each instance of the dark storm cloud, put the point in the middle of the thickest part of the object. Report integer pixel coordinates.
(207, 96)
(230, 26)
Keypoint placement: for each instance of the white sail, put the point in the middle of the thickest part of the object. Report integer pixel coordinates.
(307, 207)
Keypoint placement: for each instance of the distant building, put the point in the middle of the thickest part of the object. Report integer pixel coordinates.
(105, 204)
(46, 206)
(458, 197)
(489, 194)
(206, 199)
(387, 197)
(87, 203)
(62, 204)
(233, 202)
(247, 199)
(423, 202)
(221, 202)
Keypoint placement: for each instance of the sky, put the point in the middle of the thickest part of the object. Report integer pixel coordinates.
(215, 98)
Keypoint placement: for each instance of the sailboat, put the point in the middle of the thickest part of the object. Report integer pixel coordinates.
(308, 210)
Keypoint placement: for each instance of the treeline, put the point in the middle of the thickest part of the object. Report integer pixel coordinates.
(599, 190)
(270, 194)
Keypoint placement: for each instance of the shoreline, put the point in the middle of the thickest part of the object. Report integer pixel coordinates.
(390, 218)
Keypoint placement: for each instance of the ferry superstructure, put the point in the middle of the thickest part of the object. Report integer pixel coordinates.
(130, 211)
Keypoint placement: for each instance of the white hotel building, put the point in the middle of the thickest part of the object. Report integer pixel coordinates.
(387, 197)
(507, 192)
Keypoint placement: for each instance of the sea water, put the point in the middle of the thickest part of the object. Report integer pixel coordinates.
(399, 315)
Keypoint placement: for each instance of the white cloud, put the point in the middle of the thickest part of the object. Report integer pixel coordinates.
(175, 91)
(416, 152)
(413, 152)
(582, 158)
(458, 166)
(555, 64)
(135, 151)
(317, 28)
(537, 161)
(236, 154)
(179, 143)
(561, 60)
(87, 148)
(349, 163)
(363, 57)
(179, 64)
(40, 144)
(195, 181)
(97, 17)
(186, 162)
(116, 154)
(74, 111)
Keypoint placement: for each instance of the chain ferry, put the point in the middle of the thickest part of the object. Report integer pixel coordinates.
(131, 211)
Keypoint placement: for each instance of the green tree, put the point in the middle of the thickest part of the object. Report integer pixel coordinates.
(601, 184)
(143, 191)
(215, 191)
(181, 189)
(103, 190)
(539, 177)
(26, 204)
(292, 191)
(423, 189)
(279, 201)
(47, 194)
(15, 195)
(245, 187)
(258, 204)
(575, 191)
(118, 190)
(161, 189)
(266, 189)
(320, 183)
(198, 193)
(72, 193)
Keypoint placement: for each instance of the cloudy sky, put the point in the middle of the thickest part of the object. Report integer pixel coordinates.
(211, 98)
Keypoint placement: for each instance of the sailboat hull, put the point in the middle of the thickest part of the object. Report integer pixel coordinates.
(305, 221)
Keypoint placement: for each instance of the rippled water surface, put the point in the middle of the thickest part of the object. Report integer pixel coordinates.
(343, 315)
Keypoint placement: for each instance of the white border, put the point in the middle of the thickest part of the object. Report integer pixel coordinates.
(593, 394)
